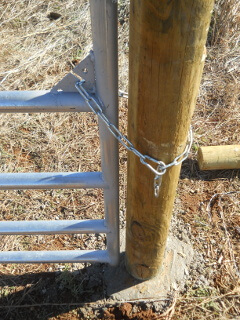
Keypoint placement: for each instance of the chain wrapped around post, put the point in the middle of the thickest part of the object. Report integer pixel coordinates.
(146, 160)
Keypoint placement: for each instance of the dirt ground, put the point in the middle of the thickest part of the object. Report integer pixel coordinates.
(40, 43)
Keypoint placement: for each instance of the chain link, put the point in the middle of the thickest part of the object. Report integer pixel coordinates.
(146, 160)
(123, 94)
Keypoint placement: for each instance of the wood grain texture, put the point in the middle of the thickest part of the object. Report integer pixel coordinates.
(167, 51)
(219, 157)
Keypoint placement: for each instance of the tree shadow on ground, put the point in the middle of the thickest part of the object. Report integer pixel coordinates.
(49, 294)
(190, 170)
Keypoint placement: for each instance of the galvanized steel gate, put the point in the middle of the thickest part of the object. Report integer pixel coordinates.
(100, 70)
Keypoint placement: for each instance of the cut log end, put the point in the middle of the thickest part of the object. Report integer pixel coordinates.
(219, 157)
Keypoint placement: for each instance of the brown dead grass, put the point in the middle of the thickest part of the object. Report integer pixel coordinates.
(35, 54)
(211, 199)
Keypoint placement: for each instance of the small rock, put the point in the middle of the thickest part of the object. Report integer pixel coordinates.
(135, 308)
(54, 16)
(157, 306)
(148, 306)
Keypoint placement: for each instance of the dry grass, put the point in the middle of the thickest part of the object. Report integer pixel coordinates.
(36, 52)
(211, 200)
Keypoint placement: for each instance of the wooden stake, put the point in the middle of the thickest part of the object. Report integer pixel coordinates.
(167, 52)
(219, 157)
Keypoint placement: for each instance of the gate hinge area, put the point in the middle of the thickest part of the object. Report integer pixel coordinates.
(85, 70)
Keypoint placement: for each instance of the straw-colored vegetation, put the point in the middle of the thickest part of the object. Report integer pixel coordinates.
(37, 50)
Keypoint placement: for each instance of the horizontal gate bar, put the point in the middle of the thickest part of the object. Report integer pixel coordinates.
(62, 256)
(41, 101)
(51, 180)
(52, 227)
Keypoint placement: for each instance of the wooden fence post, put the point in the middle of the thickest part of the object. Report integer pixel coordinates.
(167, 52)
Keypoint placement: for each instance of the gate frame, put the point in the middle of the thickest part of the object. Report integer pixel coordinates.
(104, 34)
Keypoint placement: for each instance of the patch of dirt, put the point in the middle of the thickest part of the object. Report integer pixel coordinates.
(125, 312)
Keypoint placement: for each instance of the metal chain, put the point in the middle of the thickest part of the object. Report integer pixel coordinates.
(145, 159)
(122, 94)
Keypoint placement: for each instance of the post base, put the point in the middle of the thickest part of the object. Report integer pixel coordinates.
(173, 274)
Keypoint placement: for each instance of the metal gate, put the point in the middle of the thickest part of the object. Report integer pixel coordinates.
(100, 72)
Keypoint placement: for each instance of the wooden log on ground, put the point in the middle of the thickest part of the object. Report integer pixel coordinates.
(219, 157)
(167, 52)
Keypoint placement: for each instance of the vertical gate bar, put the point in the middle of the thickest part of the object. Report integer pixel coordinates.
(104, 33)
